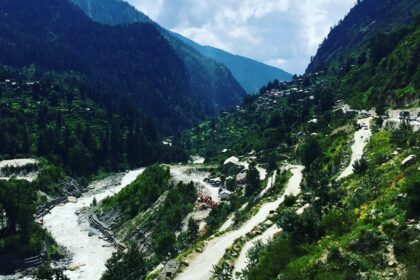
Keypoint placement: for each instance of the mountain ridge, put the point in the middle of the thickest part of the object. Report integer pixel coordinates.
(239, 66)
(131, 60)
(356, 28)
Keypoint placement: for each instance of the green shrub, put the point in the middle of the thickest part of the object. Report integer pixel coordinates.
(337, 221)
(360, 166)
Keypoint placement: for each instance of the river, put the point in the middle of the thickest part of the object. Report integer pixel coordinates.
(90, 252)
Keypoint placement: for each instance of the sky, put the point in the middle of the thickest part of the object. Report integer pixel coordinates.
(282, 33)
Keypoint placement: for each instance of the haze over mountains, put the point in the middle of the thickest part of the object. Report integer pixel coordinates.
(251, 74)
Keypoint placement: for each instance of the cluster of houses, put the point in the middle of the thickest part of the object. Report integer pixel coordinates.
(349, 112)
(221, 184)
(13, 84)
(270, 98)
(234, 177)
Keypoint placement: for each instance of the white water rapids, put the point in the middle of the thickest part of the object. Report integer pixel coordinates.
(90, 252)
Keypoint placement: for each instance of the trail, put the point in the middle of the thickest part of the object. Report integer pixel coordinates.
(270, 182)
(201, 265)
(91, 252)
(361, 139)
(242, 261)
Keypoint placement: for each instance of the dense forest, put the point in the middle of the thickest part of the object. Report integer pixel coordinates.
(112, 12)
(133, 61)
(62, 118)
(75, 131)
(213, 62)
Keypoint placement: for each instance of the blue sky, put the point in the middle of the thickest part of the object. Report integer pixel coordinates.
(283, 33)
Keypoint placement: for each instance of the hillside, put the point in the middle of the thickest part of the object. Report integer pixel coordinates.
(62, 118)
(241, 67)
(357, 214)
(391, 74)
(53, 126)
(350, 37)
(133, 61)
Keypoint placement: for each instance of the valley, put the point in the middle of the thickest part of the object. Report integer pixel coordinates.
(128, 152)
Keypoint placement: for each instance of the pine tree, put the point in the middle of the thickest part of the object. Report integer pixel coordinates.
(252, 180)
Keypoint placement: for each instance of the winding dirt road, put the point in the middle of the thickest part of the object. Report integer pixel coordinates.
(361, 139)
(201, 265)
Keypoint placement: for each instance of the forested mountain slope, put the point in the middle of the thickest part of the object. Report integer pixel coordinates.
(63, 118)
(65, 127)
(111, 12)
(133, 61)
(374, 53)
(352, 34)
(251, 74)
(389, 76)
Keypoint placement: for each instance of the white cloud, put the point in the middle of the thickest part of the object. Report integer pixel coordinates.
(152, 8)
(283, 33)
(203, 36)
(276, 62)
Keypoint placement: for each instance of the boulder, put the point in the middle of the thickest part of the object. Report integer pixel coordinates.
(75, 266)
(72, 199)
(411, 159)
(169, 270)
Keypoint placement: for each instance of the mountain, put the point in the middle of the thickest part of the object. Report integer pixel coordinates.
(251, 74)
(131, 61)
(367, 18)
(363, 224)
(296, 183)
(66, 120)
(68, 128)
(375, 54)
(111, 12)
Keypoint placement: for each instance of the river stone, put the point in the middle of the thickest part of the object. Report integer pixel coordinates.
(75, 266)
